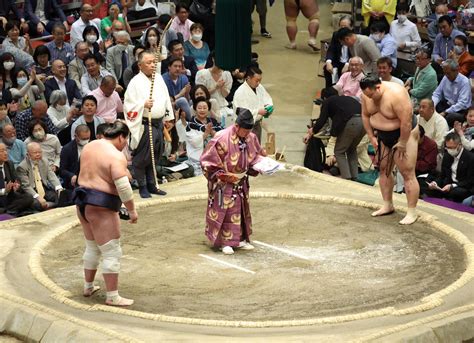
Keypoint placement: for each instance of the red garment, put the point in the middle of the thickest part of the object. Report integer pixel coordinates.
(427, 154)
(102, 11)
(466, 63)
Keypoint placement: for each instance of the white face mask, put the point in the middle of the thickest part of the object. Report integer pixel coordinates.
(402, 18)
(91, 39)
(376, 37)
(21, 81)
(196, 37)
(39, 134)
(60, 107)
(8, 65)
(458, 49)
(82, 142)
(453, 152)
(152, 40)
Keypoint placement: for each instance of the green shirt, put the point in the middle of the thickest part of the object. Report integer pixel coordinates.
(107, 22)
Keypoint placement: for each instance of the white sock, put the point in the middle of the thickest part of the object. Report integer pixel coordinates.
(112, 295)
(88, 285)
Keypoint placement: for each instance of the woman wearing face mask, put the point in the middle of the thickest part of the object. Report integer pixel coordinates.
(62, 115)
(461, 54)
(152, 39)
(50, 144)
(7, 63)
(26, 91)
(91, 36)
(195, 47)
(15, 40)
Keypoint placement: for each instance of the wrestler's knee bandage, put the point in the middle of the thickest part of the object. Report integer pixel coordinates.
(290, 21)
(91, 255)
(111, 254)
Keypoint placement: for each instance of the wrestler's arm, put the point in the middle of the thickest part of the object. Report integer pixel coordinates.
(404, 111)
(366, 122)
(118, 170)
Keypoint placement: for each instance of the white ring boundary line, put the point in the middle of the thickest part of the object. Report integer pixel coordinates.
(227, 264)
(283, 250)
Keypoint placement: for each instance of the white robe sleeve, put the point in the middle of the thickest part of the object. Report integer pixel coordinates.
(244, 97)
(133, 108)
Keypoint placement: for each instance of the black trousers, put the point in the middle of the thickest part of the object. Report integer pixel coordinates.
(16, 202)
(457, 194)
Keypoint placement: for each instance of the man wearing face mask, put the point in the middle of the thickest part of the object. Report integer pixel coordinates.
(38, 111)
(384, 41)
(70, 154)
(16, 148)
(433, 29)
(460, 53)
(80, 24)
(457, 168)
(120, 56)
(404, 31)
(444, 40)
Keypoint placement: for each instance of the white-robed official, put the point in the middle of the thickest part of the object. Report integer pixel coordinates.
(254, 97)
(136, 105)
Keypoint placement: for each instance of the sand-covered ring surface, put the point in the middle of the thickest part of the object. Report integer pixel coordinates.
(336, 261)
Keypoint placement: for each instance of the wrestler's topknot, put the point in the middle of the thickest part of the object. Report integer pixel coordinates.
(117, 128)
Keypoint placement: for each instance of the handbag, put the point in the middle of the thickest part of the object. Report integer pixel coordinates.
(199, 10)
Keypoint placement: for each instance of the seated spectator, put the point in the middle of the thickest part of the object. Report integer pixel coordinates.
(433, 29)
(453, 97)
(196, 47)
(109, 104)
(404, 31)
(176, 50)
(218, 83)
(59, 81)
(360, 46)
(86, 18)
(455, 182)
(94, 76)
(5, 94)
(42, 16)
(4, 119)
(461, 55)
(99, 134)
(199, 132)
(62, 115)
(106, 23)
(160, 25)
(42, 65)
(50, 144)
(99, 7)
(384, 70)
(181, 23)
(139, 9)
(444, 41)
(424, 83)
(200, 90)
(152, 37)
(132, 69)
(16, 148)
(466, 130)
(253, 96)
(69, 168)
(348, 84)
(77, 68)
(38, 180)
(384, 41)
(434, 125)
(7, 63)
(178, 86)
(120, 56)
(88, 118)
(17, 56)
(24, 91)
(426, 160)
(37, 111)
(337, 55)
(91, 36)
(58, 48)
(15, 40)
(13, 199)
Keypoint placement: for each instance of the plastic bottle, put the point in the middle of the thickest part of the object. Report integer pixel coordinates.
(223, 115)
(164, 179)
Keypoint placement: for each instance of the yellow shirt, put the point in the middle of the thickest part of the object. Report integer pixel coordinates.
(386, 6)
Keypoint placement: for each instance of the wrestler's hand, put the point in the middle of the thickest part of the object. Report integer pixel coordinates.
(374, 142)
(148, 104)
(133, 216)
(401, 150)
(73, 180)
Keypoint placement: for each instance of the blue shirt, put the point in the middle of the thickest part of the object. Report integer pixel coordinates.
(175, 87)
(16, 152)
(200, 55)
(65, 54)
(456, 93)
(443, 45)
(388, 48)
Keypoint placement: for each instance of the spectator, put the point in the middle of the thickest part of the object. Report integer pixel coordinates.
(455, 182)
(42, 65)
(375, 11)
(196, 47)
(43, 15)
(435, 126)
(17, 56)
(453, 97)
(90, 35)
(181, 23)
(77, 68)
(50, 144)
(120, 56)
(433, 29)
(38, 180)
(176, 50)
(24, 91)
(384, 41)
(16, 148)
(384, 70)
(178, 86)
(14, 39)
(202, 91)
(360, 46)
(160, 25)
(426, 160)
(444, 41)
(6, 68)
(337, 55)
(88, 118)
(70, 154)
(109, 104)
(12, 197)
(4, 119)
(62, 115)
(218, 83)
(199, 132)
(77, 28)
(37, 111)
(424, 83)
(59, 81)
(7, 7)
(106, 23)
(94, 76)
(99, 7)
(348, 84)
(460, 54)
(404, 31)
(152, 37)
(58, 48)
(139, 9)
(466, 130)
